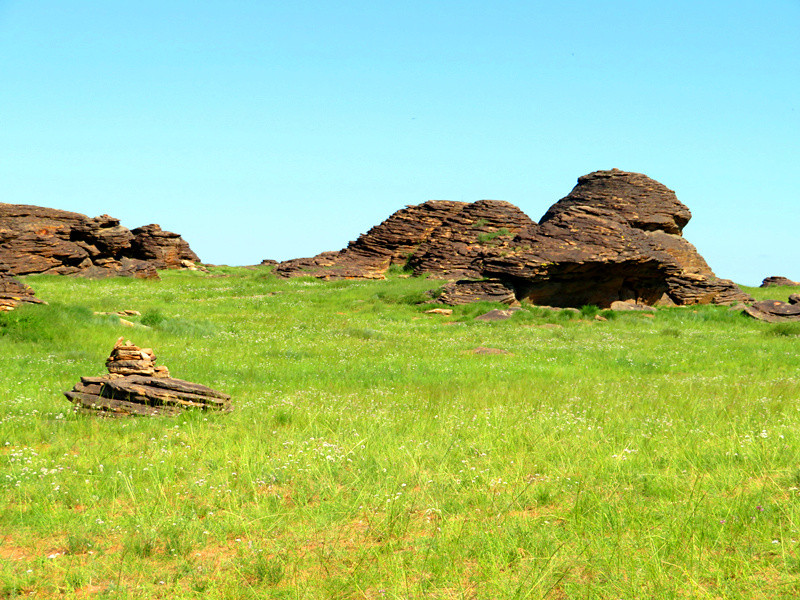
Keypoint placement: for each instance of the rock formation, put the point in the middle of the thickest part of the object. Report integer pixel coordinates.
(371, 255)
(13, 292)
(162, 249)
(136, 386)
(35, 239)
(616, 237)
(775, 311)
(777, 280)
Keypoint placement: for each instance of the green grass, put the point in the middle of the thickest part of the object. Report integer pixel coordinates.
(371, 454)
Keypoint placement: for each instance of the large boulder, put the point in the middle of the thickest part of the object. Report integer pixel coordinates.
(617, 236)
(35, 239)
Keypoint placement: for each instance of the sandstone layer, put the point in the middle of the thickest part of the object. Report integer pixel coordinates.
(371, 255)
(616, 237)
(35, 239)
(13, 292)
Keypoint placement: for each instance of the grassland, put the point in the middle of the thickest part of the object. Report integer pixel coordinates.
(372, 454)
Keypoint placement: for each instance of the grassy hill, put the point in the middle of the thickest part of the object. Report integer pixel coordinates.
(372, 454)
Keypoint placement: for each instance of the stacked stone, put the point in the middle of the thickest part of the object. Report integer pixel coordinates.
(135, 386)
(128, 359)
(13, 292)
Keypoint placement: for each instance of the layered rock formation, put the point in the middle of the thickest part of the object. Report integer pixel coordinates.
(35, 239)
(371, 255)
(777, 280)
(616, 237)
(135, 386)
(13, 292)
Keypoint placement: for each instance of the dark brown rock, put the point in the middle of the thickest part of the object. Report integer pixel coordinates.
(616, 237)
(777, 280)
(773, 311)
(371, 255)
(458, 246)
(794, 299)
(35, 239)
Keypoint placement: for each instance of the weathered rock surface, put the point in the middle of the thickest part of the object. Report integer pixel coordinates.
(467, 291)
(13, 292)
(616, 237)
(773, 311)
(162, 249)
(458, 247)
(777, 280)
(371, 255)
(35, 239)
(136, 387)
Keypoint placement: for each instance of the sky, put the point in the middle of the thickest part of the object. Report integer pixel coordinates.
(263, 129)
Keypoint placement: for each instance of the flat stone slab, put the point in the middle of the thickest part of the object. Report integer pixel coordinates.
(773, 311)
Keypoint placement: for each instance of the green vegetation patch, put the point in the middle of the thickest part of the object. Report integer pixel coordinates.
(373, 454)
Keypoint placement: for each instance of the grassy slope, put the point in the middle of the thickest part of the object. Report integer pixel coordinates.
(372, 455)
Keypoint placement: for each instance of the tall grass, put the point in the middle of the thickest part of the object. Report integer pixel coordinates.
(371, 454)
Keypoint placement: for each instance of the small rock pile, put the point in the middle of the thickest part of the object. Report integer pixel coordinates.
(136, 386)
(127, 359)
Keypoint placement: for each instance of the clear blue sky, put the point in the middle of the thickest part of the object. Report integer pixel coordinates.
(281, 129)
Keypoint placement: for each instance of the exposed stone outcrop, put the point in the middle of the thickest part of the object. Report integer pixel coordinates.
(135, 386)
(13, 292)
(616, 237)
(35, 239)
(458, 247)
(162, 249)
(371, 255)
(777, 280)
